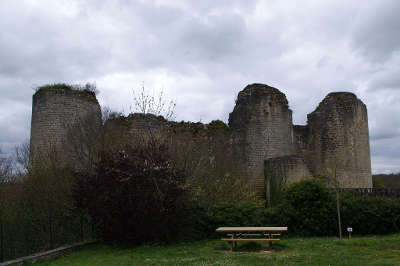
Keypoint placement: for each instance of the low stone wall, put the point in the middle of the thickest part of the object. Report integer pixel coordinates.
(48, 255)
(291, 168)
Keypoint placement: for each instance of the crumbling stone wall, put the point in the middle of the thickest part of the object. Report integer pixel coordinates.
(338, 140)
(195, 145)
(260, 135)
(290, 168)
(54, 112)
(300, 139)
(261, 125)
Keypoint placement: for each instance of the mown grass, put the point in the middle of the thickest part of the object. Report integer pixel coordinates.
(372, 250)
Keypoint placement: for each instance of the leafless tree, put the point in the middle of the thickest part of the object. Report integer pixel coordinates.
(332, 175)
(158, 105)
(84, 140)
(6, 168)
(21, 156)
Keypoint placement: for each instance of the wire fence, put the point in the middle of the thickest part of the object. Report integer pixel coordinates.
(20, 238)
(391, 193)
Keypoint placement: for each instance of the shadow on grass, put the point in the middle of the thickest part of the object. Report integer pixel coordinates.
(251, 247)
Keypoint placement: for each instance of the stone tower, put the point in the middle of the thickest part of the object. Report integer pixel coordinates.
(261, 125)
(55, 110)
(338, 140)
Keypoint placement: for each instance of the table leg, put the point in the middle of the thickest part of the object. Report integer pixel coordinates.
(270, 242)
(233, 235)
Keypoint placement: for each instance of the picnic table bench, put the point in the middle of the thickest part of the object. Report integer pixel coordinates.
(251, 234)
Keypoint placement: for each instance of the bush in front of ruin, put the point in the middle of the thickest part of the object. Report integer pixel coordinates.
(370, 215)
(136, 194)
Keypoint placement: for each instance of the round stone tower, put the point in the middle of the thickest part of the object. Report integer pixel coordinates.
(262, 128)
(56, 111)
(339, 141)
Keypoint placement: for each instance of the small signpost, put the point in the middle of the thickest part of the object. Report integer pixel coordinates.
(349, 230)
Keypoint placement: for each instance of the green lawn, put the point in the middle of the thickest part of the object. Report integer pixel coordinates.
(373, 250)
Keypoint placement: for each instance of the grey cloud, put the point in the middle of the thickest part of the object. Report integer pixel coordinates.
(212, 38)
(387, 77)
(389, 147)
(376, 34)
(208, 51)
(37, 46)
(204, 7)
(384, 121)
(15, 124)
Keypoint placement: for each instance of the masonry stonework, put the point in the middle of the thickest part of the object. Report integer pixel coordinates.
(260, 136)
(338, 140)
(54, 112)
(261, 125)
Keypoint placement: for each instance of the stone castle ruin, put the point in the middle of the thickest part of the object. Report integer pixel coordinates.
(260, 138)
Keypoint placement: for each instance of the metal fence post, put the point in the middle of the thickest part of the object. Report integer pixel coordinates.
(1, 241)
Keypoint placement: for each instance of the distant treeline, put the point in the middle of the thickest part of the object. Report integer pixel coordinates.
(386, 180)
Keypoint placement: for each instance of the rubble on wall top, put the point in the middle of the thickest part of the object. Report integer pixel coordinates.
(340, 98)
(256, 92)
(341, 94)
(86, 91)
(345, 100)
(258, 88)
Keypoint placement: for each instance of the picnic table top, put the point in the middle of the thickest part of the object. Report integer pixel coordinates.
(251, 229)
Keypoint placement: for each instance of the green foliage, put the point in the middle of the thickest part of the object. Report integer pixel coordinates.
(378, 183)
(218, 124)
(55, 86)
(211, 188)
(388, 180)
(197, 223)
(275, 216)
(370, 215)
(372, 250)
(276, 185)
(311, 204)
(239, 214)
(87, 89)
(308, 209)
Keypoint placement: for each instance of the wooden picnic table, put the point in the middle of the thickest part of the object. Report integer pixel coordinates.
(251, 234)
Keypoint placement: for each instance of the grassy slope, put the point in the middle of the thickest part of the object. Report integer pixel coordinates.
(379, 250)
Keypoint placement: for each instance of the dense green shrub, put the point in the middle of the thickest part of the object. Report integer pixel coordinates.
(307, 209)
(309, 206)
(197, 224)
(370, 215)
(240, 214)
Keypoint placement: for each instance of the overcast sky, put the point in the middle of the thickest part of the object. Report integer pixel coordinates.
(202, 53)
